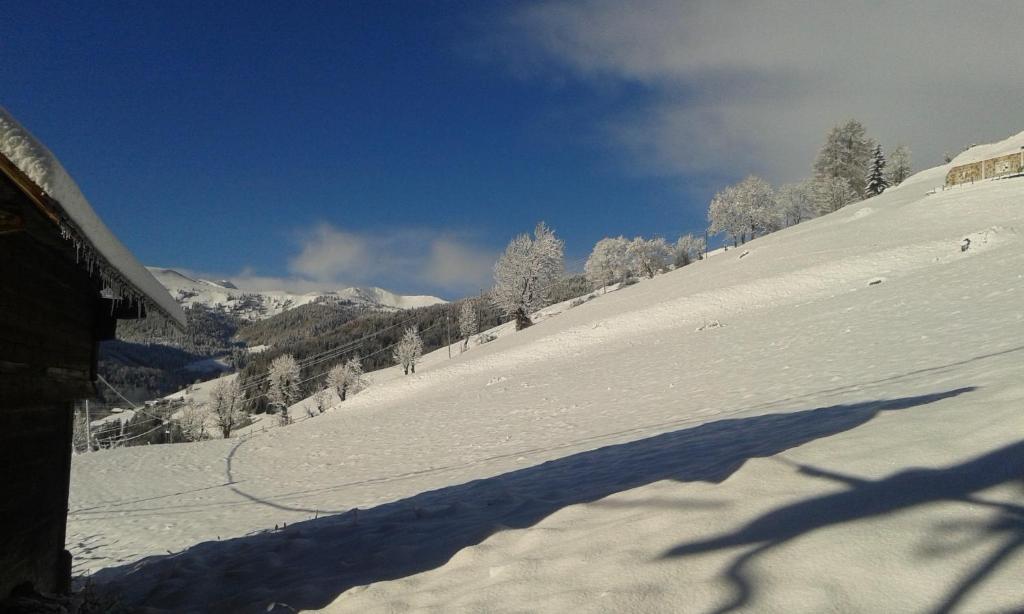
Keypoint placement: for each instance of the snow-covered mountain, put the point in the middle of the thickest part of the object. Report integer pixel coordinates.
(259, 304)
(828, 419)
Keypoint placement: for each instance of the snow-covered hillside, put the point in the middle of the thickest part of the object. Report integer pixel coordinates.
(258, 304)
(850, 438)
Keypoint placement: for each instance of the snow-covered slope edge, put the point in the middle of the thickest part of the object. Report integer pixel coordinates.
(257, 304)
(847, 440)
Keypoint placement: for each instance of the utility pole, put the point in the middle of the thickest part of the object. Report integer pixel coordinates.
(448, 329)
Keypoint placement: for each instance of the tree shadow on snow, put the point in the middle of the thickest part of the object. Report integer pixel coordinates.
(865, 499)
(309, 564)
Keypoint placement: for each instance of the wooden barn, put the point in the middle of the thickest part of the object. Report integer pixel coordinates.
(66, 282)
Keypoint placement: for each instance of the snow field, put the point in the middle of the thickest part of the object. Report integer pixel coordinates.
(833, 446)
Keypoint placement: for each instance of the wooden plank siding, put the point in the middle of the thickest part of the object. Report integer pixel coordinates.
(51, 319)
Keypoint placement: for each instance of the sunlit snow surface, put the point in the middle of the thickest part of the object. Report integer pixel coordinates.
(253, 304)
(851, 438)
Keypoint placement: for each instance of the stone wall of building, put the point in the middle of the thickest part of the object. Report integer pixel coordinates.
(1000, 166)
(965, 173)
(1003, 165)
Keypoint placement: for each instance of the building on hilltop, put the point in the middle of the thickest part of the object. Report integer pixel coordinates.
(990, 167)
(66, 282)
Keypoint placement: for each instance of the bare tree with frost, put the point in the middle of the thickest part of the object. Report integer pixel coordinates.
(468, 325)
(320, 401)
(745, 210)
(833, 193)
(525, 272)
(796, 202)
(689, 248)
(227, 405)
(899, 165)
(650, 256)
(725, 216)
(347, 377)
(408, 350)
(758, 207)
(192, 422)
(608, 262)
(284, 384)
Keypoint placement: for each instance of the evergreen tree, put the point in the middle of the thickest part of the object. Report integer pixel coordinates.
(877, 183)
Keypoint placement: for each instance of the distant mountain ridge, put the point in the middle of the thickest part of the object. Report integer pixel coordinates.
(252, 305)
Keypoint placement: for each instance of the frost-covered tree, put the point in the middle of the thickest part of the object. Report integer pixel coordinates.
(347, 377)
(649, 256)
(227, 406)
(525, 272)
(408, 350)
(846, 154)
(320, 400)
(689, 248)
(899, 165)
(284, 384)
(744, 210)
(833, 193)
(192, 422)
(877, 183)
(795, 202)
(608, 262)
(725, 216)
(757, 203)
(467, 322)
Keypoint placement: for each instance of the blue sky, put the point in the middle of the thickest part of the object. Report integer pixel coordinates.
(403, 144)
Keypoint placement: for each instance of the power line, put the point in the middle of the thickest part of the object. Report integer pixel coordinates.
(319, 375)
(330, 353)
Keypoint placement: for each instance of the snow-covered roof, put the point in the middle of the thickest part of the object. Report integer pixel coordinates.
(99, 250)
(1014, 144)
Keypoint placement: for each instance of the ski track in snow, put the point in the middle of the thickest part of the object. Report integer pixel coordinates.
(833, 446)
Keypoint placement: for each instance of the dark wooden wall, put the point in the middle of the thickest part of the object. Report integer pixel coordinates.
(51, 318)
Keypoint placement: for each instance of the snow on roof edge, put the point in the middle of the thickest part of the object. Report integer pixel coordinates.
(99, 250)
(986, 151)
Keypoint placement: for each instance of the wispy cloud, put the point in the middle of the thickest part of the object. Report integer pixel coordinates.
(404, 260)
(737, 87)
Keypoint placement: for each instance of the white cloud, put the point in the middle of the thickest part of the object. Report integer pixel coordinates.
(453, 263)
(753, 86)
(406, 261)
